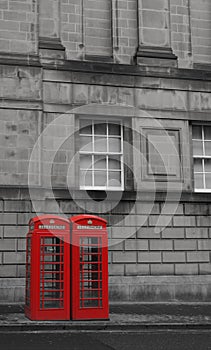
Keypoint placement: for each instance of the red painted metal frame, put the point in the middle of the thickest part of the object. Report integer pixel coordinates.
(49, 259)
(89, 268)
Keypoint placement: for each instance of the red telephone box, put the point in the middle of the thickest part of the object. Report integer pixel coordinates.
(48, 269)
(89, 268)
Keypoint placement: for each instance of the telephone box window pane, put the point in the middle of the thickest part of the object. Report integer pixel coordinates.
(197, 132)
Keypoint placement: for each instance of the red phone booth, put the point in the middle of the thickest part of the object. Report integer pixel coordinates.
(89, 268)
(48, 269)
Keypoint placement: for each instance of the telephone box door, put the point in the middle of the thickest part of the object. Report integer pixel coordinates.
(47, 269)
(89, 265)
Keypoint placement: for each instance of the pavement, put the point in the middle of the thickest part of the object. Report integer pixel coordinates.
(123, 316)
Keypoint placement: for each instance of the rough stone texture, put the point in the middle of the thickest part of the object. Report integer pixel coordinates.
(201, 30)
(18, 26)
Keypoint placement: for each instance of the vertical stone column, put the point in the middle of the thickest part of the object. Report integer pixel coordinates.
(154, 33)
(49, 29)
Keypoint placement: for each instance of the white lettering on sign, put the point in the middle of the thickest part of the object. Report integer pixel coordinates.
(83, 227)
(52, 227)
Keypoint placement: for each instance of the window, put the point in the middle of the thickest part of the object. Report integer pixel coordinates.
(202, 157)
(101, 155)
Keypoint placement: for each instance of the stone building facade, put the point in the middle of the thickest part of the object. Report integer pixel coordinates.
(131, 78)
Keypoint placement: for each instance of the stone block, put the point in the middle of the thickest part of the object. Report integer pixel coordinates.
(149, 257)
(197, 209)
(188, 244)
(172, 209)
(134, 244)
(8, 271)
(160, 245)
(8, 219)
(203, 221)
(14, 258)
(205, 269)
(173, 257)
(196, 232)
(7, 245)
(148, 233)
(136, 269)
(161, 99)
(147, 208)
(173, 233)
(80, 94)
(160, 220)
(116, 269)
(124, 257)
(23, 218)
(162, 269)
(202, 256)
(184, 221)
(17, 206)
(57, 92)
(15, 231)
(204, 244)
(186, 269)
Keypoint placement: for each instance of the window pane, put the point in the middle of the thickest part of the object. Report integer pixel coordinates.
(86, 162)
(100, 178)
(197, 132)
(114, 163)
(100, 144)
(114, 144)
(207, 132)
(86, 178)
(114, 129)
(99, 128)
(207, 164)
(208, 181)
(114, 178)
(85, 127)
(100, 162)
(197, 148)
(86, 143)
(198, 179)
(207, 145)
(197, 165)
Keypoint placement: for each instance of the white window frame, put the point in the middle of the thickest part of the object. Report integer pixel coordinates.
(106, 154)
(203, 157)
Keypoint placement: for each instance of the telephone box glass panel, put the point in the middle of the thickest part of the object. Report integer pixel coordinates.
(90, 272)
(51, 273)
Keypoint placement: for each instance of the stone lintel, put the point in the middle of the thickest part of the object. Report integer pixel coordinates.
(16, 59)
